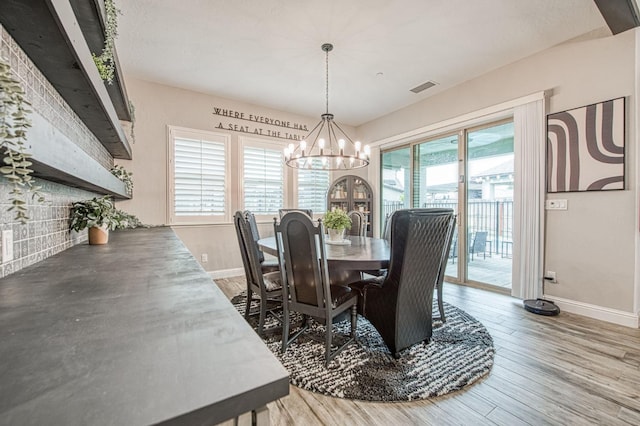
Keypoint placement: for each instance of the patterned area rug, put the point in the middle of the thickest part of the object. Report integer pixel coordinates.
(460, 352)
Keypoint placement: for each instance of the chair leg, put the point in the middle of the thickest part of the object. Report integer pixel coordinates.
(263, 316)
(327, 344)
(354, 320)
(285, 327)
(248, 307)
(440, 304)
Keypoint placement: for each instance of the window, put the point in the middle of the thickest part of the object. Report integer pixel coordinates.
(312, 190)
(199, 181)
(263, 176)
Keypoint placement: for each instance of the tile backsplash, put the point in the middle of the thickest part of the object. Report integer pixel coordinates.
(47, 231)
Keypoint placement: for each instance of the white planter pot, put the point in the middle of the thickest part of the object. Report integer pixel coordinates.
(336, 235)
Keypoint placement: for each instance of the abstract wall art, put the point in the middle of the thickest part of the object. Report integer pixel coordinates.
(586, 148)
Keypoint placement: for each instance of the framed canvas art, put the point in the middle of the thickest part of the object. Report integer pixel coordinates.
(586, 148)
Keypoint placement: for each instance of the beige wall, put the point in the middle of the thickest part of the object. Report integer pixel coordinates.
(591, 246)
(158, 106)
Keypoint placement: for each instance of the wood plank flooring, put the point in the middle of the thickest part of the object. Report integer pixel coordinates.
(564, 370)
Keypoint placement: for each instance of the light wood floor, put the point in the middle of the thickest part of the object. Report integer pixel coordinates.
(548, 371)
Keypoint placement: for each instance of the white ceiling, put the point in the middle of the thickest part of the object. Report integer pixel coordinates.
(267, 52)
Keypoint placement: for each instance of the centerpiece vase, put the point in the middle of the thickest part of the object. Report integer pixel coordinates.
(336, 234)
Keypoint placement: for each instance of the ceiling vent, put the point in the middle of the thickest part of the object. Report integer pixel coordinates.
(423, 86)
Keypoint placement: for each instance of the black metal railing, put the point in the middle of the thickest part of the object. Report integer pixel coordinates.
(493, 217)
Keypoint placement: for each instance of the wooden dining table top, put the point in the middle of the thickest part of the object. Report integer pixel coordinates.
(364, 253)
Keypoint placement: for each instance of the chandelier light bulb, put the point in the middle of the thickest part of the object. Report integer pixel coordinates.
(321, 142)
(357, 144)
(367, 150)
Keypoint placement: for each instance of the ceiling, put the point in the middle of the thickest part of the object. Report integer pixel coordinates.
(268, 52)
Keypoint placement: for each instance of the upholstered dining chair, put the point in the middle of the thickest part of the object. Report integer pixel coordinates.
(358, 223)
(266, 265)
(282, 212)
(306, 289)
(400, 307)
(267, 287)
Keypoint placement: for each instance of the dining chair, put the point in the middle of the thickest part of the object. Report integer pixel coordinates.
(386, 235)
(306, 289)
(282, 212)
(479, 244)
(400, 307)
(358, 223)
(266, 265)
(443, 269)
(267, 287)
(386, 228)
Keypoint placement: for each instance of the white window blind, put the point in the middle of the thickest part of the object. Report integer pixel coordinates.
(312, 190)
(263, 180)
(199, 177)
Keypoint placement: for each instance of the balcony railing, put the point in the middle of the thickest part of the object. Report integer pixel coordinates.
(494, 217)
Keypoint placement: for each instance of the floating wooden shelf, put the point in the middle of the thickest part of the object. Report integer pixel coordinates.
(58, 159)
(91, 17)
(49, 33)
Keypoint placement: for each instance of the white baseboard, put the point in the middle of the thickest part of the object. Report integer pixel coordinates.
(628, 319)
(226, 273)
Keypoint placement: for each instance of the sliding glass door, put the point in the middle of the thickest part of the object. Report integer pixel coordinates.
(489, 223)
(470, 171)
(396, 181)
(435, 182)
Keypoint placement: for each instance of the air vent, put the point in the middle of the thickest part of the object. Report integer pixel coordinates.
(423, 86)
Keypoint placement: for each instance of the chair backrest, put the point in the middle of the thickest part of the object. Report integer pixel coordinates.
(255, 234)
(248, 249)
(358, 223)
(479, 242)
(308, 212)
(302, 260)
(418, 245)
(386, 229)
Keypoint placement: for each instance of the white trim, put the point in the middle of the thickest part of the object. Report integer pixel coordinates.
(636, 124)
(226, 273)
(492, 113)
(627, 319)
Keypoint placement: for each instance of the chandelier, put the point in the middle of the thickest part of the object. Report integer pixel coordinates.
(327, 146)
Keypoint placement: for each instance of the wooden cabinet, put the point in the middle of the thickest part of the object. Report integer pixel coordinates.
(352, 193)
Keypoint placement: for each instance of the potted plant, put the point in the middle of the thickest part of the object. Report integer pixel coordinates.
(97, 214)
(336, 221)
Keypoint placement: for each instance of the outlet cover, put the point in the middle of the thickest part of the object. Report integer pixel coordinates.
(7, 246)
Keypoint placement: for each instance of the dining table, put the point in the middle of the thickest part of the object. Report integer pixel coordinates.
(347, 259)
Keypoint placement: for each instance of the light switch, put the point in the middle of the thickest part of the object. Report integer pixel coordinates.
(7, 245)
(556, 205)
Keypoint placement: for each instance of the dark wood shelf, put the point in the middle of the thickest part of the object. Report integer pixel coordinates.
(49, 33)
(91, 17)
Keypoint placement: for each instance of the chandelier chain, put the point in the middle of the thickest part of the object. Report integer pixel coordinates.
(327, 78)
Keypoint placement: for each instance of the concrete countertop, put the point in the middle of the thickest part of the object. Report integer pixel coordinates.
(134, 332)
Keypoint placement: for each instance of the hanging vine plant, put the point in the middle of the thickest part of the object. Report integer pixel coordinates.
(14, 122)
(104, 62)
(125, 176)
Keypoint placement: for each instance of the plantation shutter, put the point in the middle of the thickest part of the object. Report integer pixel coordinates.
(263, 180)
(199, 177)
(312, 190)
